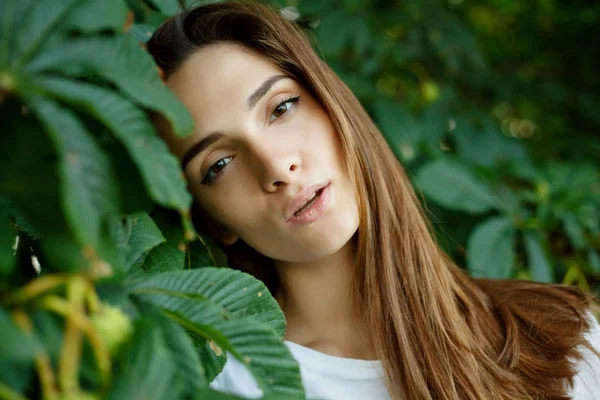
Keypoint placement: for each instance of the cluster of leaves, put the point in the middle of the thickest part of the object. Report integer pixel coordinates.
(106, 290)
(494, 127)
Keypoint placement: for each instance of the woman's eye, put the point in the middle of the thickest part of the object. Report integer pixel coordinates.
(215, 170)
(283, 107)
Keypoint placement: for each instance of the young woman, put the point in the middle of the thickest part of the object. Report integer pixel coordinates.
(291, 175)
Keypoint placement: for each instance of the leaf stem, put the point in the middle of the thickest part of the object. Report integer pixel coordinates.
(101, 352)
(70, 356)
(42, 361)
(92, 300)
(36, 287)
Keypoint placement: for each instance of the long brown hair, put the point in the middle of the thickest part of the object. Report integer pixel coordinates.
(439, 333)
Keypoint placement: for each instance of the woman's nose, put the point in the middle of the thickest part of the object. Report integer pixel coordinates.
(276, 164)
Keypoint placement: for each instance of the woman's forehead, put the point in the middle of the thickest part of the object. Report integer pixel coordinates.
(221, 67)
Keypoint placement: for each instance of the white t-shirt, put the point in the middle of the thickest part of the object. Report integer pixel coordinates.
(337, 378)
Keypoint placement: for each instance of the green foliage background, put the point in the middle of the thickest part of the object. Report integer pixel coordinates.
(109, 293)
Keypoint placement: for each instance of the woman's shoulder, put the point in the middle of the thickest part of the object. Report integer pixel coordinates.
(587, 380)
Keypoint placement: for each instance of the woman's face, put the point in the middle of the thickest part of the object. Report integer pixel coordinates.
(274, 141)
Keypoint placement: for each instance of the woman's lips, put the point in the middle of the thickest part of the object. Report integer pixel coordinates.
(316, 210)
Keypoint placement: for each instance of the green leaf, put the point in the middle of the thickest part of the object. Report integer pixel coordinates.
(23, 224)
(171, 254)
(42, 17)
(213, 364)
(333, 32)
(96, 15)
(159, 168)
(7, 239)
(17, 376)
(147, 370)
(8, 12)
(123, 62)
(490, 251)
(167, 7)
(87, 177)
(589, 216)
(434, 126)
(574, 230)
(452, 185)
(16, 345)
(142, 32)
(486, 145)
(184, 354)
(594, 260)
(216, 395)
(204, 252)
(537, 259)
(239, 293)
(399, 128)
(145, 235)
(29, 177)
(49, 328)
(263, 352)
(361, 34)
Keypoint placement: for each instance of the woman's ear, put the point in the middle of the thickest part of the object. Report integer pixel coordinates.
(228, 238)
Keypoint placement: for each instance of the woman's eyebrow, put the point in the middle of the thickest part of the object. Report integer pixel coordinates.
(262, 90)
(199, 147)
(253, 99)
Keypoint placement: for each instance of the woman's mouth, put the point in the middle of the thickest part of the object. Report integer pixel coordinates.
(310, 202)
(314, 208)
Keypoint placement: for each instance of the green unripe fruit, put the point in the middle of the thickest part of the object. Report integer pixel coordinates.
(542, 189)
(430, 91)
(113, 325)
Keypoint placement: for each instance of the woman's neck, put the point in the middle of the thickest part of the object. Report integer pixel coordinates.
(316, 299)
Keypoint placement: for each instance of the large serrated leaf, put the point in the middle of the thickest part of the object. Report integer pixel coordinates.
(142, 32)
(96, 15)
(145, 235)
(159, 168)
(29, 177)
(239, 293)
(38, 22)
(147, 370)
(123, 62)
(204, 252)
(263, 352)
(87, 177)
(184, 354)
(453, 186)
(167, 7)
(213, 359)
(490, 249)
(170, 255)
